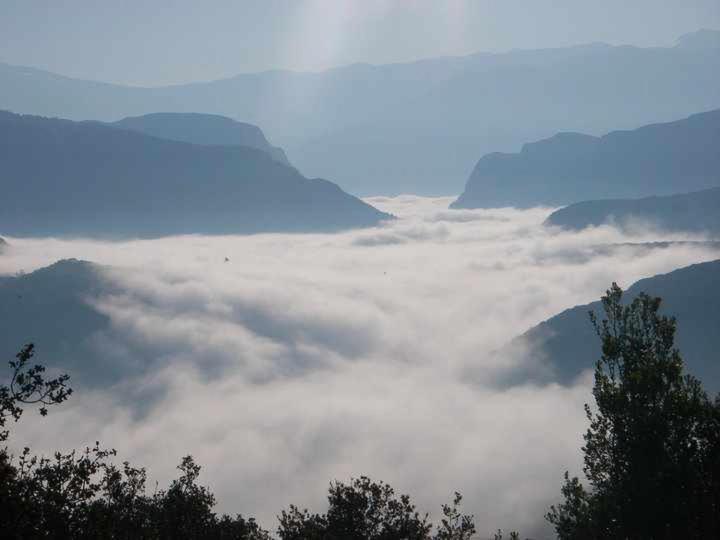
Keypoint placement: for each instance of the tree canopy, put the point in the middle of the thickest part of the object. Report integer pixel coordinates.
(652, 449)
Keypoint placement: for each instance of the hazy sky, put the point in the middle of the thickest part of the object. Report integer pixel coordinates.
(173, 41)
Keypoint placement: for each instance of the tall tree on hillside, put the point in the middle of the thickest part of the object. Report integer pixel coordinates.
(652, 450)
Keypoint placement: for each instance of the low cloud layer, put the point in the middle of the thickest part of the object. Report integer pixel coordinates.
(308, 358)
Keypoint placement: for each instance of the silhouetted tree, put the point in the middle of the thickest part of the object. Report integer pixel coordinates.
(367, 510)
(85, 495)
(362, 510)
(513, 535)
(28, 386)
(651, 451)
(454, 525)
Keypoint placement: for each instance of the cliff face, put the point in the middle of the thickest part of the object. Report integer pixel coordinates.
(204, 129)
(658, 159)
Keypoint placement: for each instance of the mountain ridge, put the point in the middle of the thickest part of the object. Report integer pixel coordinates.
(696, 212)
(202, 129)
(89, 179)
(412, 127)
(563, 346)
(656, 159)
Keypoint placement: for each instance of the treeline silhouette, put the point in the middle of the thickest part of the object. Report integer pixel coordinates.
(651, 460)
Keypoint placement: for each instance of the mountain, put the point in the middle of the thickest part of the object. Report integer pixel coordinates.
(702, 39)
(84, 178)
(566, 344)
(55, 308)
(51, 307)
(415, 127)
(204, 129)
(3, 244)
(697, 212)
(658, 159)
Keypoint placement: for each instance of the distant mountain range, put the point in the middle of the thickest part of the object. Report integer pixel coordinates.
(204, 129)
(658, 159)
(697, 212)
(565, 345)
(3, 244)
(88, 179)
(415, 127)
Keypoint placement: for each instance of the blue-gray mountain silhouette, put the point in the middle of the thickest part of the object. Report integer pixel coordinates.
(658, 159)
(84, 178)
(205, 129)
(702, 39)
(567, 343)
(51, 307)
(697, 212)
(415, 127)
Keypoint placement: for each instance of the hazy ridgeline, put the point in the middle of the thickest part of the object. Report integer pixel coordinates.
(203, 129)
(695, 212)
(658, 159)
(91, 179)
(415, 127)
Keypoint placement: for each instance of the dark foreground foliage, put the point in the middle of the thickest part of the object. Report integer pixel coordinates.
(86, 494)
(652, 451)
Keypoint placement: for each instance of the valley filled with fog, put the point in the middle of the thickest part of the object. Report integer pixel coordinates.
(285, 361)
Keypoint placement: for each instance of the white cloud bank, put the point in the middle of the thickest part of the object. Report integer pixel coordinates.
(308, 358)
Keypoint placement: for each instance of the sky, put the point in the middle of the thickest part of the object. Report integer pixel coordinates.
(373, 357)
(175, 41)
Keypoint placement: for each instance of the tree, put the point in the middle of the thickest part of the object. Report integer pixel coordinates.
(651, 450)
(513, 535)
(361, 510)
(85, 495)
(368, 510)
(454, 525)
(28, 386)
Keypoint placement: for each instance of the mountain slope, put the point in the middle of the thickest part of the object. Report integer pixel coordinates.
(697, 212)
(567, 343)
(50, 307)
(89, 179)
(657, 159)
(54, 308)
(205, 129)
(415, 127)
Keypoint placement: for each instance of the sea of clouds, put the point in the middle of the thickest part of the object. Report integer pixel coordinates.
(308, 358)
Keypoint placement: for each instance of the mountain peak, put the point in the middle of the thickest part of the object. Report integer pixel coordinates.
(203, 129)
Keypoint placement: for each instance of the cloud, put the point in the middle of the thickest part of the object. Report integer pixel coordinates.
(308, 358)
